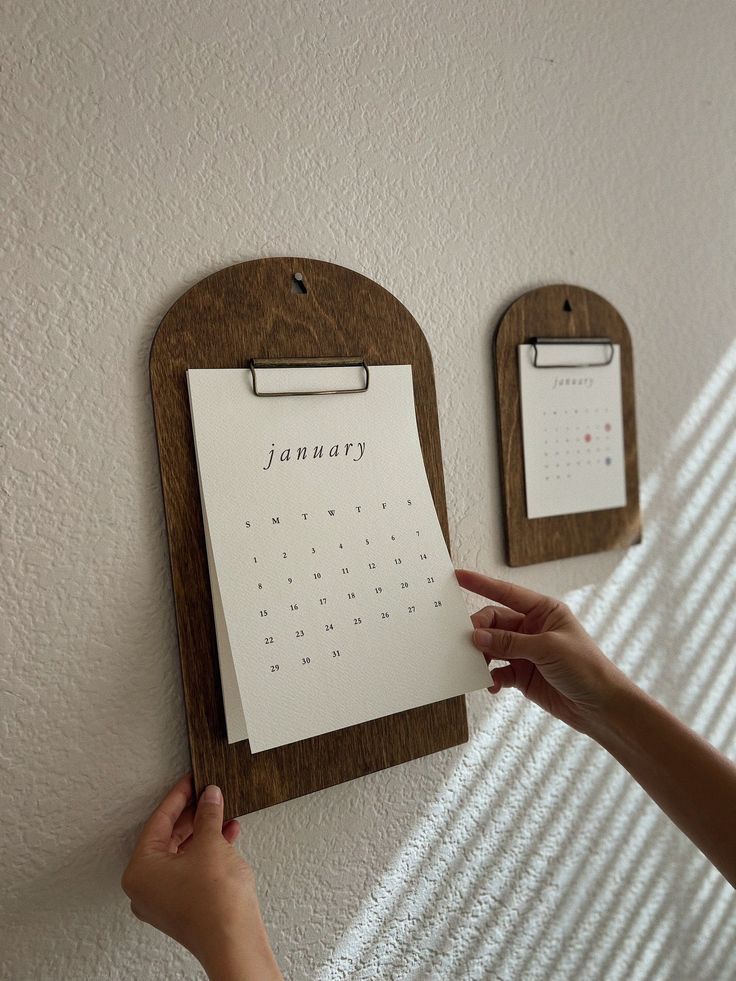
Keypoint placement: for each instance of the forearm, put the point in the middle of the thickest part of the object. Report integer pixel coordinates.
(229, 966)
(246, 957)
(692, 782)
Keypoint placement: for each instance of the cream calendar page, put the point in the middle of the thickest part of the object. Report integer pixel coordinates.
(335, 596)
(572, 424)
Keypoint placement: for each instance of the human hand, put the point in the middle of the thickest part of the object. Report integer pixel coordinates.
(186, 879)
(552, 660)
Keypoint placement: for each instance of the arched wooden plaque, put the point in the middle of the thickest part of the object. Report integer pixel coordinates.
(566, 312)
(259, 310)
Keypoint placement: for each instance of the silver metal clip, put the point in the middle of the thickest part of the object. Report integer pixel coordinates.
(257, 363)
(537, 342)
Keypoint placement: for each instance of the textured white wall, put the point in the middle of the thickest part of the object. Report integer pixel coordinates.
(459, 153)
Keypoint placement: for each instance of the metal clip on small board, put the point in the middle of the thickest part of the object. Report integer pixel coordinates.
(537, 342)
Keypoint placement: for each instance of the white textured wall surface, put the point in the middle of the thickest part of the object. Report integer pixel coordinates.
(459, 153)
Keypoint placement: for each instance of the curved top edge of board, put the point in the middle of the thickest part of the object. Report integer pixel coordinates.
(568, 295)
(168, 322)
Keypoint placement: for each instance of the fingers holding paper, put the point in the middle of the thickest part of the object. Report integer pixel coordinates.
(551, 659)
(518, 598)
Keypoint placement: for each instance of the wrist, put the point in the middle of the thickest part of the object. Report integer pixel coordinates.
(251, 964)
(610, 722)
(241, 954)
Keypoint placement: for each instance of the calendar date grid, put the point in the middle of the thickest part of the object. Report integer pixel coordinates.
(320, 581)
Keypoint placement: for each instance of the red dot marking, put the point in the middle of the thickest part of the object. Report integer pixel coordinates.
(588, 437)
(608, 427)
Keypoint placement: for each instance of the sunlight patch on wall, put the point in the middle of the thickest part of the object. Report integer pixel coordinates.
(536, 829)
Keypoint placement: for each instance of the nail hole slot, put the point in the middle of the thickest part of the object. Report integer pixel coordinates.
(298, 285)
(565, 306)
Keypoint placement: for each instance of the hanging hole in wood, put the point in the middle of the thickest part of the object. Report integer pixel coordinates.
(566, 306)
(298, 285)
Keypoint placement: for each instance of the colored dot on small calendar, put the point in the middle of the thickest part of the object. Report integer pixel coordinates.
(607, 427)
(587, 437)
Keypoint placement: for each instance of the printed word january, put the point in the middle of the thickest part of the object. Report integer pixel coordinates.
(353, 451)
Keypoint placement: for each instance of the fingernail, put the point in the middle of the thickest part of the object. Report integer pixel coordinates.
(484, 638)
(212, 794)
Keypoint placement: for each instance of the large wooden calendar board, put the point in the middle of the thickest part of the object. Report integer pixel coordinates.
(279, 308)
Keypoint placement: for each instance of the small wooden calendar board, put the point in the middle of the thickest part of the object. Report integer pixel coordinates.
(569, 313)
(272, 309)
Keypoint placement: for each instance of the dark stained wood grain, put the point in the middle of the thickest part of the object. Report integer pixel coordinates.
(245, 311)
(541, 313)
